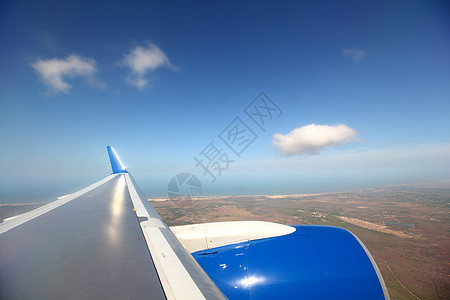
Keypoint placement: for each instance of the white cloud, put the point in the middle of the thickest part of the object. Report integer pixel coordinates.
(48, 41)
(355, 54)
(142, 60)
(54, 71)
(310, 139)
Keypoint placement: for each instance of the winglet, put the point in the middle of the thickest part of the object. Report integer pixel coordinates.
(116, 164)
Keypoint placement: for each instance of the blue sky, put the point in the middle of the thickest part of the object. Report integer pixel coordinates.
(160, 80)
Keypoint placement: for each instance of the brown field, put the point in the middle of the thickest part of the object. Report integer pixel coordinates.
(414, 262)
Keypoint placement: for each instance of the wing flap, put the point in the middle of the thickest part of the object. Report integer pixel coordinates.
(179, 273)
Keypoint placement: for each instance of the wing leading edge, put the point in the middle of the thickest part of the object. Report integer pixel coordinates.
(103, 241)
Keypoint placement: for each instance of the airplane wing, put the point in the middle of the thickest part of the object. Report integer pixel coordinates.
(107, 241)
(102, 242)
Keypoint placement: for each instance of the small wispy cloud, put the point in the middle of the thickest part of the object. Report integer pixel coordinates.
(48, 41)
(54, 71)
(141, 60)
(356, 54)
(312, 138)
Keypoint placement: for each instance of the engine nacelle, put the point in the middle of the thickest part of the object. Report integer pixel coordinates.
(310, 262)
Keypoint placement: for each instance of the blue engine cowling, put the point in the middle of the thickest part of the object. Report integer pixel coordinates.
(314, 262)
